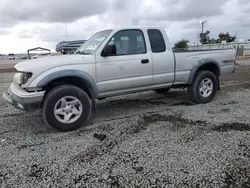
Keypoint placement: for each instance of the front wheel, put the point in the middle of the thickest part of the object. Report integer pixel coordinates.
(203, 88)
(66, 108)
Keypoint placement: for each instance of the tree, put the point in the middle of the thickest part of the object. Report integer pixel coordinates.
(181, 44)
(204, 37)
(226, 37)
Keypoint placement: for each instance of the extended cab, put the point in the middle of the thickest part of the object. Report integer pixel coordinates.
(114, 62)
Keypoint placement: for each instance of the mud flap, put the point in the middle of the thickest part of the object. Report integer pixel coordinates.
(218, 81)
(94, 105)
(93, 100)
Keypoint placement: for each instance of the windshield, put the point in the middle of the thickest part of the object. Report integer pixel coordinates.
(91, 45)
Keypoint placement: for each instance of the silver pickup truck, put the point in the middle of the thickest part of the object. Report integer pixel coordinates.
(114, 62)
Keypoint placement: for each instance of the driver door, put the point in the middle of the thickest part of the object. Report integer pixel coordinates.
(127, 70)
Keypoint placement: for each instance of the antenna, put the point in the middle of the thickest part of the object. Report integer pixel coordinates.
(66, 31)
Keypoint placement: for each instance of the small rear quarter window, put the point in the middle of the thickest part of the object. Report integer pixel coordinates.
(156, 41)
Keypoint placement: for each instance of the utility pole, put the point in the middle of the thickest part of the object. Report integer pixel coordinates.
(202, 26)
(198, 36)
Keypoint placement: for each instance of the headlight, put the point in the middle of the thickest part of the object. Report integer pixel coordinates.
(18, 78)
(21, 77)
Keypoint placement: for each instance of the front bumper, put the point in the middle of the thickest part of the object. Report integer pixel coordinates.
(23, 100)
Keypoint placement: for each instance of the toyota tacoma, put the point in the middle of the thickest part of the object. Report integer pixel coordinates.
(114, 62)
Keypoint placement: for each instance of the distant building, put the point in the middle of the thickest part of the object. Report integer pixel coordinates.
(69, 47)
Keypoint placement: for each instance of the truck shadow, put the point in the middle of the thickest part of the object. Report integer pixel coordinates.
(148, 98)
(147, 101)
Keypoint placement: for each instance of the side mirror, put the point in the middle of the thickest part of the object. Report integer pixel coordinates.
(109, 50)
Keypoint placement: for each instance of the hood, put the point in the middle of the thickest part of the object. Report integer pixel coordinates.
(45, 63)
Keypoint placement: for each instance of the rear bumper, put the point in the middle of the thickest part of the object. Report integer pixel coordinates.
(23, 100)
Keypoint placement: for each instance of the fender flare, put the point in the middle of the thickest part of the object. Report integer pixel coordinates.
(201, 63)
(90, 83)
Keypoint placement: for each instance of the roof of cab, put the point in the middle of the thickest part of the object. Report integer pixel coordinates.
(136, 27)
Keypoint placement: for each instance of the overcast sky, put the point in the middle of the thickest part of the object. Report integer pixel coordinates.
(26, 24)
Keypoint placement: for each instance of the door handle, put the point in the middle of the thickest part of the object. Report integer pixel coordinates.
(143, 61)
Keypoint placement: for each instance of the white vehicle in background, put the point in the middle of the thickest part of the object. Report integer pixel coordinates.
(114, 62)
(12, 57)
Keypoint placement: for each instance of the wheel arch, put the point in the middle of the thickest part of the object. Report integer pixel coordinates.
(74, 77)
(205, 64)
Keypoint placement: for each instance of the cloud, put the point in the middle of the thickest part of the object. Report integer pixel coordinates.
(179, 10)
(57, 32)
(49, 11)
(244, 2)
(43, 23)
(4, 31)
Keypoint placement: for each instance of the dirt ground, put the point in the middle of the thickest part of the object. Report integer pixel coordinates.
(138, 140)
(238, 80)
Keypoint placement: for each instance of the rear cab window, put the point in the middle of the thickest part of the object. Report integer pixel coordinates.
(157, 41)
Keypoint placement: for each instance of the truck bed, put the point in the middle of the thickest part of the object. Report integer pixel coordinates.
(187, 59)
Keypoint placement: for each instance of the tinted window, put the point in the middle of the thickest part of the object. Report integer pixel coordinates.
(156, 41)
(129, 42)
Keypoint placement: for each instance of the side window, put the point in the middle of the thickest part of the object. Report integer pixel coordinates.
(129, 42)
(156, 41)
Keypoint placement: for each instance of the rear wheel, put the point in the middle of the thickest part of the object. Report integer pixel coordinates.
(66, 108)
(203, 88)
(162, 91)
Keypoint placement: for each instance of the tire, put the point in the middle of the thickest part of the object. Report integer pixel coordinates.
(207, 92)
(162, 91)
(66, 108)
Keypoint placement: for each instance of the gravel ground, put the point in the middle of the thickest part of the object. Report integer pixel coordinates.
(140, 140)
